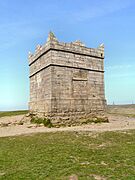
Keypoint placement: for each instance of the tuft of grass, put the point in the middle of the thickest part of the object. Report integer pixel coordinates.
(44, 121)
(13, 113)
(62, 155)
(95, 120)
(101, 120)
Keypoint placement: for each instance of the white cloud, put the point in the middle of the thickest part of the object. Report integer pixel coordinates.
(119, 67)
(101, 8)
(121, 75)
(120, 71)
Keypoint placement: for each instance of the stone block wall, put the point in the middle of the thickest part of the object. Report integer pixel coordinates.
(66, 80)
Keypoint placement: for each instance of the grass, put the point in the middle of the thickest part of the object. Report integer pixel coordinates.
(44, 121)
(122, 106)
(13, 113)
(124, 110)
(123, 114)
(56, 156)
(96, 120)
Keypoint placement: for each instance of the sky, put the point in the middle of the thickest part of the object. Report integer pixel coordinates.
(26, 23)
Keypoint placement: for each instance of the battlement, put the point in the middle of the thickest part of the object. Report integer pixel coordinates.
(76, 47)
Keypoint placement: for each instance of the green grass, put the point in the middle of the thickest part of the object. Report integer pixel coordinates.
(123, 114)
(122, 110)
(13, 113)
(44, 121)
(122, 106)
(56, 156)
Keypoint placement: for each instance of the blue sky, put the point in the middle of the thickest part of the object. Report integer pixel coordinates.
(26, 23)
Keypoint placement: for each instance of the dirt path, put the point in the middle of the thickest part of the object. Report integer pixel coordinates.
(115, 123)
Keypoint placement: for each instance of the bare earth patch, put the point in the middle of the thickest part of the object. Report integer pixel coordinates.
(12, 127)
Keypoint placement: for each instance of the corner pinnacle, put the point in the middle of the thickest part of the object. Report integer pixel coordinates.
(51, 36)
(101, 45)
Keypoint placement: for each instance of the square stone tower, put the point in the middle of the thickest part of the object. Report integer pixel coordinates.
(66, 80)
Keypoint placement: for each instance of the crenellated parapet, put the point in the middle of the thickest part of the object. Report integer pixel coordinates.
(74, 47)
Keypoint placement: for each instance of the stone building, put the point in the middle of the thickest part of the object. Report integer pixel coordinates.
(66, 80)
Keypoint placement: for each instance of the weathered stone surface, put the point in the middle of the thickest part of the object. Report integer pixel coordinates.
(66, 80)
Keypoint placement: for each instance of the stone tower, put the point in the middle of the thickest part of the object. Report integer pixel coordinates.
(66, 80)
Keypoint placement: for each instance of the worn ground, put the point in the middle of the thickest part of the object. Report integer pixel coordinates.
(120, 118)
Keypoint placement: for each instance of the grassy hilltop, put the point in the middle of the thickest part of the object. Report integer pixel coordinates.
(12, 113)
